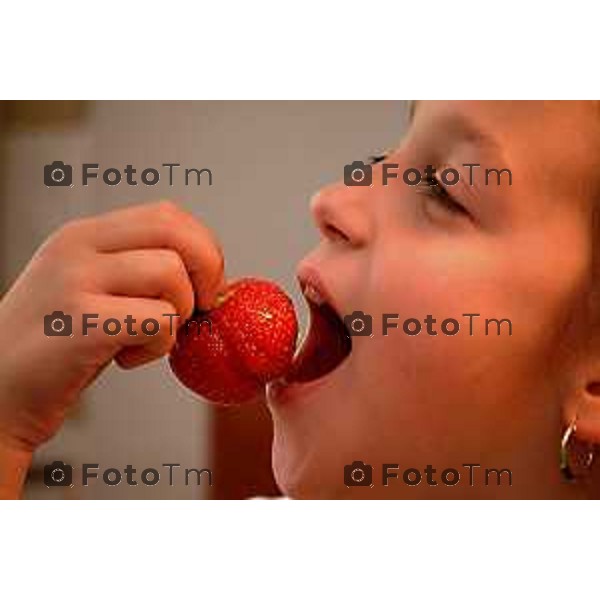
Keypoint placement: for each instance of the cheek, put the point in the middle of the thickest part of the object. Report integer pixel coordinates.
(441, 387)
(451, 282)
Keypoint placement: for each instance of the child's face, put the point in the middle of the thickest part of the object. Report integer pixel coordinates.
(519, 252)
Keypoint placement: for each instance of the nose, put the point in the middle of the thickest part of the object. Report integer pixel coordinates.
(343, 214)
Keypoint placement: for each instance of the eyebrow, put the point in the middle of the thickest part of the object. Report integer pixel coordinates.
(465, 127)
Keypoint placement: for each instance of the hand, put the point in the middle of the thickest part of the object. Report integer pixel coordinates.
(148, 261)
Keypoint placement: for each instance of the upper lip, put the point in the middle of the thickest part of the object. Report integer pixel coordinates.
(309, 276)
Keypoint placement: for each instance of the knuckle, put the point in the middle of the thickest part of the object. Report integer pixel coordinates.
(69, 271)
(62, 237)
(220, 260)
(72, 229)
(165, 339)
(177, 281)
(167, 325)
(215, 264)
(187, 308)
(174, 264)
(167, 209)
(67, 240)
(75, 305)
(73, 277)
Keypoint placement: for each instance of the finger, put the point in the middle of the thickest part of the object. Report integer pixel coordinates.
(136, 356)
(155, 273)
(164, 225)
(112, 323)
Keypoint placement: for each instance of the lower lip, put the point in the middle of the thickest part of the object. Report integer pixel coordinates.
(283, 392)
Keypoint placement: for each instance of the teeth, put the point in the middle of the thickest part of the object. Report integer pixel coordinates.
(313, 295)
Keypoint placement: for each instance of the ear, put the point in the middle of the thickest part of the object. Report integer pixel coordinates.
(585, 405)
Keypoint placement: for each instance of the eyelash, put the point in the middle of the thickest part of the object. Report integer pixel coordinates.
(434, 190)
(377, 158)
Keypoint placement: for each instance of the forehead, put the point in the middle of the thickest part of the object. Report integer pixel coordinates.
(556, 143)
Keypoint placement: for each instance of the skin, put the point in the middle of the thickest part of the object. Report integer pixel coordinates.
(145, 261)
(524, 253)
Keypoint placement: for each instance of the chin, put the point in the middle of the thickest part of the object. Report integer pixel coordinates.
(291, 468)
(302, 474)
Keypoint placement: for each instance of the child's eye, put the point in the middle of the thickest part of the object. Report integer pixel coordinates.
(432, 188)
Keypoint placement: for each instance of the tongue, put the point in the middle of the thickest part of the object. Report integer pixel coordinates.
(325, 347)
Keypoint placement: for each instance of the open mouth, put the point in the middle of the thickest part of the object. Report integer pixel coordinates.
(327, 343)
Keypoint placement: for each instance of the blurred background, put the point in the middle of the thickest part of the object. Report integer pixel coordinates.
(266, 159)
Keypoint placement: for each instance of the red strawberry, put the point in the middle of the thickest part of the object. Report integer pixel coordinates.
(247, 340)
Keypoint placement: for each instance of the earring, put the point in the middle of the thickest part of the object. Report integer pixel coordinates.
(576, 457)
